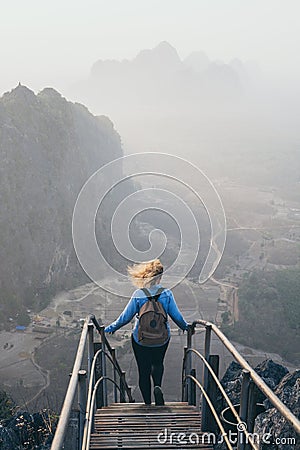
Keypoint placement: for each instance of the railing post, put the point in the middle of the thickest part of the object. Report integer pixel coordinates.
(129, 393)
(184, 397)
(103, 366)
(113, 355)
(122, 387)
(207, 342)
(90, 348)
(212, 392)
(91, 354)
(204, 409)
(252, 402)
(193, 388)
(98, 374)
(188, 367)
(243, 412)
(82, 398)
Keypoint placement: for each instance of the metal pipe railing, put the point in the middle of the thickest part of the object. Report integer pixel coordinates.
(77, 382)
(93, 386)
(71, 391)
(276, 402)
(110, 349)
(222, 390)
(214, 412)
(207, 341)
(81, 403)
(101, 352)
(89, 419)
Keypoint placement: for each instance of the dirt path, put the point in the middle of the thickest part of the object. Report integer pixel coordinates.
(231, 295)
(45, 374)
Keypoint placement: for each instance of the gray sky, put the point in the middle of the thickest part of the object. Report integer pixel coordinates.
(55, 43)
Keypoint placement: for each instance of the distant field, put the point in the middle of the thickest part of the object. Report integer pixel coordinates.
(284, 253)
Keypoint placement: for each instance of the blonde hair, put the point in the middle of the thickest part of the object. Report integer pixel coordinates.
(146, 274)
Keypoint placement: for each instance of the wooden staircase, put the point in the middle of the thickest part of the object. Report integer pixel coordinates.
(137, 426)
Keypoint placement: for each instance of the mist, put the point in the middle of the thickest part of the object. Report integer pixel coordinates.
(213, 82)
(227, 118)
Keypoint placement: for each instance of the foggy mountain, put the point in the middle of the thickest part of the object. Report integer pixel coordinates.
(158, 78)
(226, 118)
(49, 147)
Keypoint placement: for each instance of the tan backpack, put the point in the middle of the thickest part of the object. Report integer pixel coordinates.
(152, 328)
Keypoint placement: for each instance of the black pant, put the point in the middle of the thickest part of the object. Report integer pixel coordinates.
(150, 362)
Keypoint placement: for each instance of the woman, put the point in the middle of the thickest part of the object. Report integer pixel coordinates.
(149, 358)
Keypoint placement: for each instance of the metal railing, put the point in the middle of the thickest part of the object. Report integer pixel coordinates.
(95, 378)
(92, 386)
(210, 383)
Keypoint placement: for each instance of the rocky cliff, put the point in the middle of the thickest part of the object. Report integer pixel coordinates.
(271, 430)
(49, 147)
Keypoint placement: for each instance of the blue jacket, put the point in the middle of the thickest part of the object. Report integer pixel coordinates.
(137, 300)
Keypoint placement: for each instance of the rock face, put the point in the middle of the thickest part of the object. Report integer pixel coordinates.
(28, 431)
(288, 390)
(284, 384)
(269, 371)
(231, 382)
(49, 147)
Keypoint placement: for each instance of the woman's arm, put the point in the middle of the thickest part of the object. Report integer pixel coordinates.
(125, 317)
(175, 314)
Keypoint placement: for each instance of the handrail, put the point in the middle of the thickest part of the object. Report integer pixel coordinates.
(277, 403)
(215, 414)
(90, 321)
(76, 379)
(114, 364)
(100, 329)
(71, 391)
(88, 428)
(92, 391)
(92, 388)
(227, 399)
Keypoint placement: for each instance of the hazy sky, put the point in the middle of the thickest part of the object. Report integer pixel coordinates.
(55, 43)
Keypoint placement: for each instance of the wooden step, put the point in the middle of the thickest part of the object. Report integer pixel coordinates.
(138, 426)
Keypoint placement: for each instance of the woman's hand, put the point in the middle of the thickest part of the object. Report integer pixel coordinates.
(191, 328)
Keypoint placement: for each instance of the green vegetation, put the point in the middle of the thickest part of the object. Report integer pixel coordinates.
(6, 406)
(236, 246)
(284, 253)
(269, 306)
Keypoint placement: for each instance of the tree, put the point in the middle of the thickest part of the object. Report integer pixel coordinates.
(23, 319)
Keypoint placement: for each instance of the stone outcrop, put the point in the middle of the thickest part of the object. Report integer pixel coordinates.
(269, 371)
(285, 385)
(282, 434)
(28, 431)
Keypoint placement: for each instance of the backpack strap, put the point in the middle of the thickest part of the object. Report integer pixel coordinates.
(155, 296)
